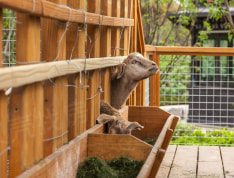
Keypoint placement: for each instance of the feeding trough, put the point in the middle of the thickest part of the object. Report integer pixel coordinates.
(94, 142)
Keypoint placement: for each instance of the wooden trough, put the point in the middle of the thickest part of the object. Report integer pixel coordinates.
(94, 142)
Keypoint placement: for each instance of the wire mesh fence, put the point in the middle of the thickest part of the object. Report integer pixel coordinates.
(200, 90)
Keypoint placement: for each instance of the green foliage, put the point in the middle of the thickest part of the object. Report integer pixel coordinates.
(122, 167)
(191, 135)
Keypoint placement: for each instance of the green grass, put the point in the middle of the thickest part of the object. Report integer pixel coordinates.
(122, 167)
(187, 134)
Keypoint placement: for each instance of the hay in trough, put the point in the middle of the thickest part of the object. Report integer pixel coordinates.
(150, 141)
(122, 167)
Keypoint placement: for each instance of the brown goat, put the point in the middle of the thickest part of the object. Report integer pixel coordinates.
(118, 125)
(133, 69)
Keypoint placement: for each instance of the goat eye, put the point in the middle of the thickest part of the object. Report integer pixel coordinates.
(134, 61)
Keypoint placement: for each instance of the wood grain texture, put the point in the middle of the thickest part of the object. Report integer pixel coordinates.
(105, 51)
(152, 118)
(185, 162)
(108, 147)
(22, 75)
(93, 95)
(64, 161)
(228, 161)
(29, 119)
(115, 32)
(56, 95)
(52, 10)
(3, 121)
(195, 51)
(209, 162)
(75, 48)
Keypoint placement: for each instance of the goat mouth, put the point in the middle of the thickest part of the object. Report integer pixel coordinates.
(153, 70)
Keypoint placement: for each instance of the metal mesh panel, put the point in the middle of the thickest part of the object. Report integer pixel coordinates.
(200, 90)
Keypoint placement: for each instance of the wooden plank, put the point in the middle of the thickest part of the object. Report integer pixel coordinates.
(152, 118)
(196, 51)
(93, 95)
(185, 162)
(105, 50)
(157, 82)
(228, 161)
(124, 39)
(64, 161)
(115, 32)
(30, 117)
(209, 162)
(3, 121)
(51, 10)
(76, 96)
(152, 85)
(56, 115)
(108, 147)
(167, 162)
(156, 155)
(22, 75)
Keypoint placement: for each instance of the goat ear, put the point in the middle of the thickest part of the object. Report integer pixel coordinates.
(104, 118)
(120, 72)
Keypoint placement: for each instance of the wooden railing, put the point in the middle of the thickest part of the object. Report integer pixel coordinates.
(154, 53)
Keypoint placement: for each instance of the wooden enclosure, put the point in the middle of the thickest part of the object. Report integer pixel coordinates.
(66, 52)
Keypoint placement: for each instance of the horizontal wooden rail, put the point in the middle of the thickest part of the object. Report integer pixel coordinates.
(22, 75)
(194, 51)
(64, 13)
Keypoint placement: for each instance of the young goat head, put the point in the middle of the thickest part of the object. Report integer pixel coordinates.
(118, 125)
(133, 69)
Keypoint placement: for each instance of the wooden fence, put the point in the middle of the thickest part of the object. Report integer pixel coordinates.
(56, 96)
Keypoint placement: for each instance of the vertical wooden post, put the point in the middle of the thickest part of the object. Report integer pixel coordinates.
(106, 6)
(115, 31)
(55, 95)
(157, 81)
(154, 84)
(3, 121)
(93, 99)
(26, 103)
(76, 97)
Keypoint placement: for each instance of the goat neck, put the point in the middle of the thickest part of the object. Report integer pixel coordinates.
(121, 90)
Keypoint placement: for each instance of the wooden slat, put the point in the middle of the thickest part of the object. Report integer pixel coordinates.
(196, 51)
(210, 163)
(108, 147)
(152, 85)
(29, 116)
(105, 50)
(185, 162)
(76, 96)
(3, 121)
(152, 118)
(167, 162)
(157, 82)
(228, 161)
(22, 75)
(65, 161)
(93, 97)
(157, 162)
(56, 97)
(48, 9)
(115, 32)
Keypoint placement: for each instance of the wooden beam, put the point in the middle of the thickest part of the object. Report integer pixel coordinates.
(192, 51)
(76, 96)
(48, 9)
(3, 121)
(22, 75)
